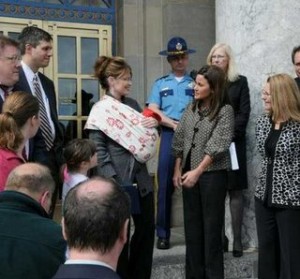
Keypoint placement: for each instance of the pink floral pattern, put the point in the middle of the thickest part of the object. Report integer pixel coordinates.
(123, 124)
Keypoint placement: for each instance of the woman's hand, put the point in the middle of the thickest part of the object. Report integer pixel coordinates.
(190, 178)
(149, 122)
(177, 181)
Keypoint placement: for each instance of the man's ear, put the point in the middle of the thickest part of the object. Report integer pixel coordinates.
(45, 200)
(124, 232)
(63, 228)
(28, 48)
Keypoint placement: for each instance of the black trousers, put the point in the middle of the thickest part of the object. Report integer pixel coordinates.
(278, 232)
(135, 261)
(203, 222)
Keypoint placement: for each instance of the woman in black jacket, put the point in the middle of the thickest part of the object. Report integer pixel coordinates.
(238, 93)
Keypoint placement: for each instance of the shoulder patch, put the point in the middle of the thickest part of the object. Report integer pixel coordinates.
(161, 77)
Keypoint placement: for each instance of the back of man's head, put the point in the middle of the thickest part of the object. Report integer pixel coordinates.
(31, 179)
(95, 213)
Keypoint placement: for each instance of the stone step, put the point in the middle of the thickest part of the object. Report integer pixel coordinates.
(170, 263)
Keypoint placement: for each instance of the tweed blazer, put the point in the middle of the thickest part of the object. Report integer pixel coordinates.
(286, 164)
(200, 136)
(117, 162)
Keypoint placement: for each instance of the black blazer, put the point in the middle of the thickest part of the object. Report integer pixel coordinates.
(238, 92)
(37, 150)
(85, 271)
(1, 104)
(297, 79)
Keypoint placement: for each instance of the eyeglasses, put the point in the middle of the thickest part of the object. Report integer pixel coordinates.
(12, 59)
(265, 93)
(129, 79)
(220, 57)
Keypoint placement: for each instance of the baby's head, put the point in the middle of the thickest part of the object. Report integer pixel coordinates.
(80, 153)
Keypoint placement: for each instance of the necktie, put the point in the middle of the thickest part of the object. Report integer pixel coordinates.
(45, 124)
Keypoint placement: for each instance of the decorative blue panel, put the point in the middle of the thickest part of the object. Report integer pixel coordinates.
(80, 11)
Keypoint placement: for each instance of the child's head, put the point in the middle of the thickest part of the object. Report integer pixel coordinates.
(79, 151)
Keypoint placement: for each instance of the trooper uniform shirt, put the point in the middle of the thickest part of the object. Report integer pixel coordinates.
(172, 96)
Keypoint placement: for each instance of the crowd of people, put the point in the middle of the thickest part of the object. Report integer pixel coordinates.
(199, 122)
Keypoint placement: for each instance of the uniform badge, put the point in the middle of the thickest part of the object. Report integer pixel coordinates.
(179, 46)
(191, 85)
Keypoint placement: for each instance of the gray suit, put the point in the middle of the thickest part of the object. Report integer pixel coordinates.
(116, 162)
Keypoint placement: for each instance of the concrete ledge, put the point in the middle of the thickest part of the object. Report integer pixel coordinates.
(172, 266)
(170, 263)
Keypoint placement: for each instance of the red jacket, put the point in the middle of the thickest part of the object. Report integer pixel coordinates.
(8, 161)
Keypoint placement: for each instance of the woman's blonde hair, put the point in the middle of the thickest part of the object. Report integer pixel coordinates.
(17, 109)
(232, 73)
(285, 98)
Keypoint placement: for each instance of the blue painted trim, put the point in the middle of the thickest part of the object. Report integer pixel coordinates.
(59, 12)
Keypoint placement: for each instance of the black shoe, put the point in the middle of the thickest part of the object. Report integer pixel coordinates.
(163, 243)
(225, 243)
(237, 253)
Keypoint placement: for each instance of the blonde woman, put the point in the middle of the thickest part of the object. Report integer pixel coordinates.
(238, 92)
(277, 196)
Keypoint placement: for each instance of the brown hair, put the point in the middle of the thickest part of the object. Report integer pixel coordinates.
(216, 80)
(110, 67)
(17, 109)
(78, 151)
(285, 98)
(6, 41)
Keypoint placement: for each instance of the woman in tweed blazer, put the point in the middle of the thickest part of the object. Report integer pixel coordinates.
(200, 145)
(277, 196)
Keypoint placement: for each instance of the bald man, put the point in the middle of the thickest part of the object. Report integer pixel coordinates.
(95, 223)
(32, 245)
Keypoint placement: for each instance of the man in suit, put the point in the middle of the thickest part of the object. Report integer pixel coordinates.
(95, 223)
(296, 62)
(9, 66)
(46, 146)
(32, 245)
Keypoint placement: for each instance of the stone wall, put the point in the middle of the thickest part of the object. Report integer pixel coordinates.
(144, 28)
(262, 34)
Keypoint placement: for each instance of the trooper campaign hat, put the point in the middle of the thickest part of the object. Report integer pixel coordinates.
(176, 46)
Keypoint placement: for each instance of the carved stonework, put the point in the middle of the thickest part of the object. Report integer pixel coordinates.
(59, 12)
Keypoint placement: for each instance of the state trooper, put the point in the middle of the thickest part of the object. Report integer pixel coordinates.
(169, 97)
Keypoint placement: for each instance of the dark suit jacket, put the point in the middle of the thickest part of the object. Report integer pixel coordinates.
(38, 152)
(85, 271)
(32, 245)
(297, 79)
(238, 92)
(1, 104)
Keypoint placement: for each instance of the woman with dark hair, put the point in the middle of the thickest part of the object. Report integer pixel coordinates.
(19, 121)
(200, 145)
(125, 140)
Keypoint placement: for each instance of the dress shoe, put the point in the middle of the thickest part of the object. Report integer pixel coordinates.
(237, 253)
(225, 243)
(163, 243)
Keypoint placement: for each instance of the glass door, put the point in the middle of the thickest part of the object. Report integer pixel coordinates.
(77, 46)
(75, 50)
